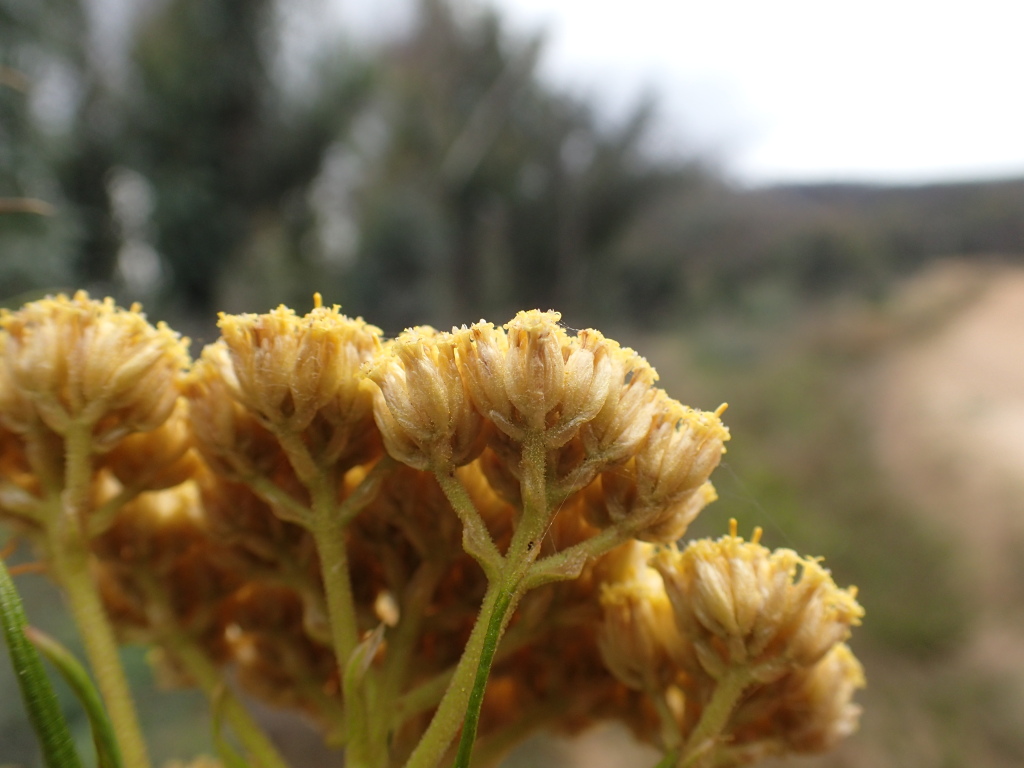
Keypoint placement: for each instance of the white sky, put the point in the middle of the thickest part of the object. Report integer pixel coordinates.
(781, 90)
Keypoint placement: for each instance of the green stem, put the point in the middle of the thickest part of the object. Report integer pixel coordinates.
(69, 550)
(476, 539)
(328, 529)
(329, 534)
(285, 506)
(327, 523)
(362, 750)
(495, 628)
(451, 711)
(427, 694)
(525, 544)
(402, 643)
(568, 563)
(462, 700)
(71, 568)
(702, 740)
(671, 735)
(261, 750)
(493, 747)
(522, 551)
(101, 518)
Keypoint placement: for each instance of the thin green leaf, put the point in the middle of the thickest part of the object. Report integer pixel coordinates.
(108, 754)
(228, 755)
(36, 691)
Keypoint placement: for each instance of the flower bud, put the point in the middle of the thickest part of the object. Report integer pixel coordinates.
(422, 407)
(664, 486)
(288, 368)
(589, 378)
(816, 709)
(626, 415)
(673, 522)
(482, 352)
(538, 378)
(682, 448)
(743, 605)
(229, 437)
(638, 629)
(81, 361)
(535, 366)
(806, 711)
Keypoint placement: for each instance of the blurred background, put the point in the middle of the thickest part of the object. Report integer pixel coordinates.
(815, 215)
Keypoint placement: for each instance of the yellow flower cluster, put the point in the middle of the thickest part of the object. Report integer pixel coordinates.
(682, 625)
(77, 361)
(326, 512)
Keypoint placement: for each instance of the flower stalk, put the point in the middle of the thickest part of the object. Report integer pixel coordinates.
(70, 556)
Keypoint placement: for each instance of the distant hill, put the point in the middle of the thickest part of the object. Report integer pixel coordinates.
(924, 220)
(713, 244)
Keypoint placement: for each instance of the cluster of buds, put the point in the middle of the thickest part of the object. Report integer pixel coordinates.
(344, 521)
(730, 618)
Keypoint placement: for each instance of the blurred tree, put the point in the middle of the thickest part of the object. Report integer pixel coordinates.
(516, 194)
(217, 135)
(39, 51)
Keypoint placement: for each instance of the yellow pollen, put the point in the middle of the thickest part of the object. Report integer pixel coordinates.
(732, 527)
(721, 409)
(756, 538)
(318, 300)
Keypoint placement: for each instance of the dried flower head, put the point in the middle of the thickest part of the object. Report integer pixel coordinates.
(626, 415)
(662, 488)
(682, 448)
(743, 605)
(638, 632)
(534, 376)
(810, 710)
(86, 362)
(612, 499)
(535, 366)
(229, 436)
(288, 368)
(421, 404)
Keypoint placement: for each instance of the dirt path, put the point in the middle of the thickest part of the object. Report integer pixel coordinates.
(950, 417)
(950, 431)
